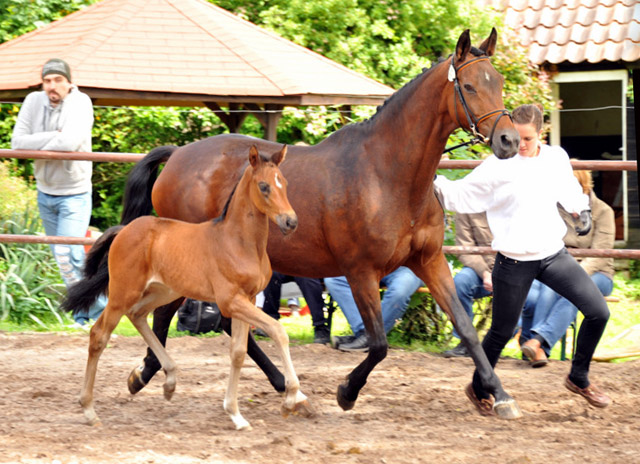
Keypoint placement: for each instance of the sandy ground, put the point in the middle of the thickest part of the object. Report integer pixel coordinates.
(413, 409)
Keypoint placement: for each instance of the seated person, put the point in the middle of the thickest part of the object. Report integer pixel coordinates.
(552, 314)
(473, 281)
(401, 284)
(311, 291)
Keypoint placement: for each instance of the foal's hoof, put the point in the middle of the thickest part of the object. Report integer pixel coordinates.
(343, 402)
(168, 391)
(508, 409)
(135, 382)
(303, 409)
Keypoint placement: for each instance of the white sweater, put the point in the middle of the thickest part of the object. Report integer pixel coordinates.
(520, 196)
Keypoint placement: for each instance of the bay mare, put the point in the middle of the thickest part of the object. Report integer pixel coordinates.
(364, 199)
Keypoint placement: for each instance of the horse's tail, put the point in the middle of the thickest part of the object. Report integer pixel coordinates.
(82, 294)
(137, 191)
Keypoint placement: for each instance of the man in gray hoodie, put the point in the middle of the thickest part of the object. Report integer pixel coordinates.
(60, 118)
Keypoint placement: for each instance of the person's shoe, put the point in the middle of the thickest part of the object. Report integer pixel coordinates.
(592, 394)
(532, 349)
(484, 406)
(338, 340)
(260, 333)
(459, 351)
(359, 344)
(321, 335)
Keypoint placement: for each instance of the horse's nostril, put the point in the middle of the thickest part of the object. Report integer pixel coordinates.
(292, 222)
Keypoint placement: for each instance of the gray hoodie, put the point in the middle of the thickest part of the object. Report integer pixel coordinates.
(66, 127)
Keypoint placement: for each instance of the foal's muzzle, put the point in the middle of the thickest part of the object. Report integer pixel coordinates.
(287, 222)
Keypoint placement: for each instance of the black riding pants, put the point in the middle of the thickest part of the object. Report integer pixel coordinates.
(511, 282)
(311, 291)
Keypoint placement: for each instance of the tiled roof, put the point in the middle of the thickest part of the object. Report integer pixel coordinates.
(177, 47)
(576, 31)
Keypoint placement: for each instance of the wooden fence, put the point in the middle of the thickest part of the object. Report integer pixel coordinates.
(444, 164)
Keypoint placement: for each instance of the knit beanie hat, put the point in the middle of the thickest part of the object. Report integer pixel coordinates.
(57, 66)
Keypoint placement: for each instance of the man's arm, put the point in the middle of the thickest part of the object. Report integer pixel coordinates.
(75, 127)
(24, 136)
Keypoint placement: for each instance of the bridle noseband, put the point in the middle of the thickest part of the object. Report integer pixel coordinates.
(471, 119)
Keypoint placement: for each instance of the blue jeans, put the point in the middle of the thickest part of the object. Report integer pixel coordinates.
(401, 284)
(69, 216)
(554, 314)
(469, 287)
(526, 319)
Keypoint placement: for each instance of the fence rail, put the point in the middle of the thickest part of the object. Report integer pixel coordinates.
(134, 157)
(444, 164)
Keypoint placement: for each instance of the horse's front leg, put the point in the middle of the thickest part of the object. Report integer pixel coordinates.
(437, 276)
(366, 293)
(237, 352)
(295, 402)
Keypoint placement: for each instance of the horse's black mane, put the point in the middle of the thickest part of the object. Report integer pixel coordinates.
(474, 51)
(226, 206)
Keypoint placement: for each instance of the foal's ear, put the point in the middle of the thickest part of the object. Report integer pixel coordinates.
(463, 46)
(489, 45)
(254, 157)
(278, 158)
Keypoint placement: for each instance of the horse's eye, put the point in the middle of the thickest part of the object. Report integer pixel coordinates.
(469, 88)
(265, 189)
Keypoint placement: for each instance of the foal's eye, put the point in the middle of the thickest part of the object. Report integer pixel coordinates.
(469, 88)
(265, 189)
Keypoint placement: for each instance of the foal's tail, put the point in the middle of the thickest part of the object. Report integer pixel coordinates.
(82, 294)
(137, 191)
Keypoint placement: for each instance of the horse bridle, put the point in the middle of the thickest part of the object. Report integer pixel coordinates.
(471, 118)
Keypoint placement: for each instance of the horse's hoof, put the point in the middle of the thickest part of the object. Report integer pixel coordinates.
(168, 391)
(343, 402)
(508, 409)
(135, 382)
(303, 409)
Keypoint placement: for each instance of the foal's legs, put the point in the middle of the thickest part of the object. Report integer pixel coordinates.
(141, 375)
(99, 337)
(237, 352)
(437, 276)
(295, 402)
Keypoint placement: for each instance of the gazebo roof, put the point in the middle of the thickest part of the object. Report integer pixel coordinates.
(187, 52)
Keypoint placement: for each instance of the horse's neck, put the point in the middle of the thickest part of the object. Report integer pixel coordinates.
(244, 219)
(413, 130)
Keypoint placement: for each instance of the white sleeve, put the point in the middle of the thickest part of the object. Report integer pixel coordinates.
(24, 136)
(472, 194)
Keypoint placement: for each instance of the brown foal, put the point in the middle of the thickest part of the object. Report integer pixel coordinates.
(153, 261)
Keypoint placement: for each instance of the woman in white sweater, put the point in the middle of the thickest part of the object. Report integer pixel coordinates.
(520, 197)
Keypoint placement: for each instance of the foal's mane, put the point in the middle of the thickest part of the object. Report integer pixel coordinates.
(223, 214)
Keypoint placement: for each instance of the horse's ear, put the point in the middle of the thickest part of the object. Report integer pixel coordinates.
(254, 157)
(489, 45)
(463, 46)
(278, 158)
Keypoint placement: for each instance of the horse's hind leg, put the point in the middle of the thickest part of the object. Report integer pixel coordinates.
(237, 352)
(438, 278)
(98, 339)
(141, 375)
(139, 320)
